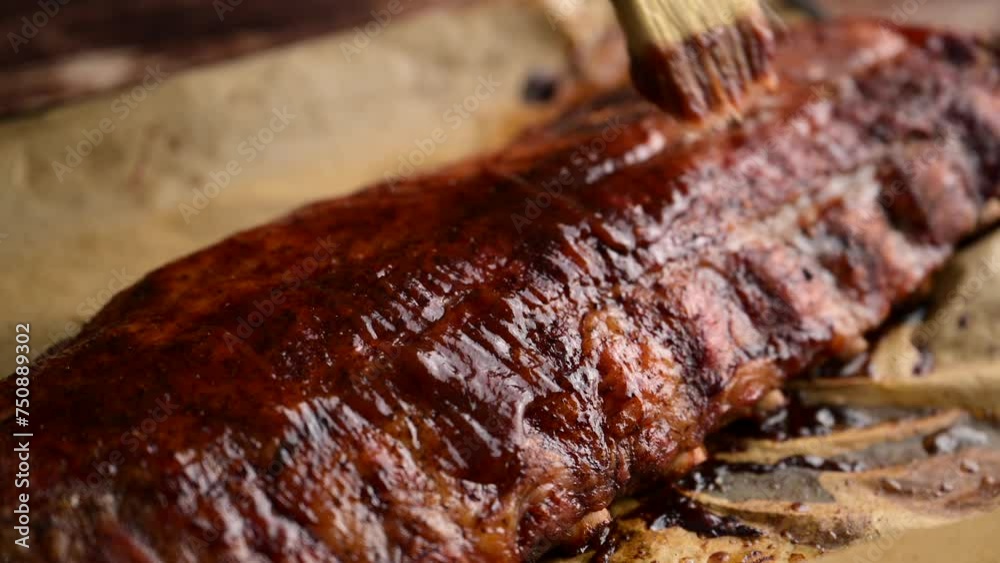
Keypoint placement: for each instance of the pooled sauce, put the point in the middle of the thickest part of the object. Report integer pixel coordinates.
(795, 419)
(669, 508)
(953, 439)
(710, 475)
(708, 73)
(672, 508)
(606, 544)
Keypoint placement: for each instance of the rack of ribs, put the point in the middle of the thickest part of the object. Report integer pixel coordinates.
(469, 365)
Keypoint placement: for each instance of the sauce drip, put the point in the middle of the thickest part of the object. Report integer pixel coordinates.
(672, 508)
(668, 508)
(796, 419)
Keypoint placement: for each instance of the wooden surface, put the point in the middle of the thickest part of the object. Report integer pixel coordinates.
(169, 25)
(86, 47)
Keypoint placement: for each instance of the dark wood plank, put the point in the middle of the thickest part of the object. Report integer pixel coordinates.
(56, 50)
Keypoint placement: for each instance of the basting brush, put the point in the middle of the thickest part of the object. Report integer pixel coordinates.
(697, 58)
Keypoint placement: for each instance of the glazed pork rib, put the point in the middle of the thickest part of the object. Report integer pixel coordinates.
(465, 366)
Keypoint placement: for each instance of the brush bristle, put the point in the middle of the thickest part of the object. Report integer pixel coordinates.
(695, 58)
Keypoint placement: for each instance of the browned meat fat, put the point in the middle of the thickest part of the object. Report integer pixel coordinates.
(464, 366)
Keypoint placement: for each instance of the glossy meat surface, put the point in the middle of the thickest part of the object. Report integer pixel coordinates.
(463, 366)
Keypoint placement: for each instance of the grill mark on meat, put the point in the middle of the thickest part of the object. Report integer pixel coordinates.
(448, 385)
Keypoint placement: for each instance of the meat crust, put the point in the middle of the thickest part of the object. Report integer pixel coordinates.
(464, 366)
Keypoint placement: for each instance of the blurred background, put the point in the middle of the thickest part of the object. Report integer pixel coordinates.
(61, 49)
